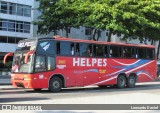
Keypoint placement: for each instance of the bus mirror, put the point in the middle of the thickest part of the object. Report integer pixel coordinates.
(5, 57)
(27, 55)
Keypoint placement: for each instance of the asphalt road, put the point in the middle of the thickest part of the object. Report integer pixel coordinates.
(143, 93)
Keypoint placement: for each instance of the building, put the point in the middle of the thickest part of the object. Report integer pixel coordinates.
(15, 23)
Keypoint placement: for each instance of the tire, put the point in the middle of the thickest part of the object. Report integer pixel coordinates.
(121, 82)
(131, 81)
(55, 84)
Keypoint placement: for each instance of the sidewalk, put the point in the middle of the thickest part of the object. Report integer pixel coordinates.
(5, 79)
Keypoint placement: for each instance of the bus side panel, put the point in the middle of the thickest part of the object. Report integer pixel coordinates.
(147, 73)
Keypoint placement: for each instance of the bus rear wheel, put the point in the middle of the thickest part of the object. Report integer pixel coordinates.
(131, 81)
(55, 84)
(121, 82)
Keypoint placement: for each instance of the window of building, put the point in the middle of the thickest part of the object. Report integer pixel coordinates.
(19, 26)
(11, 25)
(12, 8)
(15, 9)
(3, 24)
(14, 26)
(4, 7)
(11, 40)
(19, 10)
(18, 39)
(99, 33)
(87, 31)
(26, 27)
(27, 11)
(3, 39)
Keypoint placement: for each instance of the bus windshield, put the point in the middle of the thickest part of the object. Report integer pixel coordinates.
(19, 66)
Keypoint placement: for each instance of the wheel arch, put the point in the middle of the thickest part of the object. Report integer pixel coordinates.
(57, 75)
(134, 74)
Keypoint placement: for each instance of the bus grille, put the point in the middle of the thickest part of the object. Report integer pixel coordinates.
(19, 84)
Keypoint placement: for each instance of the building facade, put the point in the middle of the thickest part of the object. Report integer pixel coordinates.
(15, 23)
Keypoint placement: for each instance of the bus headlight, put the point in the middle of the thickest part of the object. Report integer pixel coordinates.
(28, 79)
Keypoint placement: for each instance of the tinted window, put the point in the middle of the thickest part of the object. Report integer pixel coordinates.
(85, 49)
(65, 48)
(127, 52)
(40, 64)
(106, 51)
(98, 50)
(72, 50)
(46, 46)
(51, 63)
(141, 53)
(77, 49)
(150, 54)
(114, 51)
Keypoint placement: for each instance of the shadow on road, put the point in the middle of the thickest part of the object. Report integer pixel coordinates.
(6, 100)
(94, 89)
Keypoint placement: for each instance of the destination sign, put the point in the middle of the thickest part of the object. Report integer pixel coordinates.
(26, 45)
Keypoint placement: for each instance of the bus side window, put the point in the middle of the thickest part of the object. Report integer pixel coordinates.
(100, 50)
(106, 51)
(40, 63)
(51, 63)
(150, 53)
(95, 50)
(110, 52)
(90, 50)
(72, 48)
(77, 49)
(58, 48)
(141, 53)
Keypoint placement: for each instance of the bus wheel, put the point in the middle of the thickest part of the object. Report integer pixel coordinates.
(121, 82)
(55, 84)
(131, 81)
(38, 89)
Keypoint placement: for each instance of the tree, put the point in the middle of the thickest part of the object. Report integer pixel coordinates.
(132, 18)
(56, 15)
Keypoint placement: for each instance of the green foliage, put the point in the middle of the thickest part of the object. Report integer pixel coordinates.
(133, 18)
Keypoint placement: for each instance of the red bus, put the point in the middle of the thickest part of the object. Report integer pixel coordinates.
(59, 62)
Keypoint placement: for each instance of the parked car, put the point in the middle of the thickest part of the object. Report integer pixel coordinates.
(158, 68)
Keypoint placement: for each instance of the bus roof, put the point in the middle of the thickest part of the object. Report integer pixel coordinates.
(97, 42)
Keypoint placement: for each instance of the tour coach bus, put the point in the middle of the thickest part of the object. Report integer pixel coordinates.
(59, 62)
